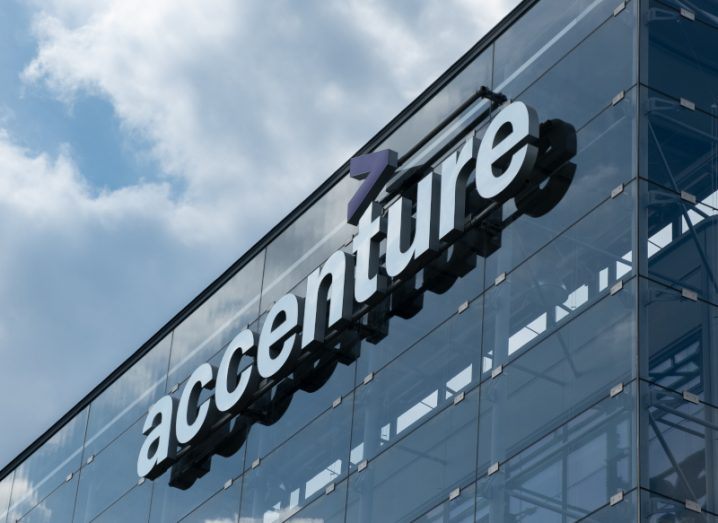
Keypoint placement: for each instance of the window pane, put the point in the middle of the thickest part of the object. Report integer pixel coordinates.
(420, 470)
(681, 147)
(48, 467)
(560, 280)
(558, 378)
(542, 36)
(705, 10)
(679, 441)
(677, 62)
(679, 241)
(234, 306)
(417, 385)
(604, 160)
(111, 473)
(299, 471)
(655, 508)
(128, 398)
(133, 506)
(678, 354)
(222, 508)
(571, 472)
(626, 510)
(5, 491)
(55, 508)
(329, 508)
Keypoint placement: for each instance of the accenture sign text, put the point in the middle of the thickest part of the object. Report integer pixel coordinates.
(302, 339)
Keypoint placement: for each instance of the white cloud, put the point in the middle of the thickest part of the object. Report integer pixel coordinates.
(247, 106)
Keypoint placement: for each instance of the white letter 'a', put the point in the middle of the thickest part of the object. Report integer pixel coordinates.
(159, 448)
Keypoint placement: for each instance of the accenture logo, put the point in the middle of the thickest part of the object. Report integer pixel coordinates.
(302, 339)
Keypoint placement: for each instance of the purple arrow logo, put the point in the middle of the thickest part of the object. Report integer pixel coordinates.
(375, 169)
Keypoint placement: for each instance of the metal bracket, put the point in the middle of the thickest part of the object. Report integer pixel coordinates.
(459, 398)
(68, 477)
(620, 7)
(496, 372)
(689, 294)
(691, 106)
(174, 388)
(90, 459)
(687, 13)
(329, 489)
(616, 287)
(693, 506)
(362, 465)
(454, 493)
(617, 99)
(227, 484)
(368, 378)
(689, 396)
(337, 402)
(690, 198)
(616, 390)
(616, 191)
(140, 481)
(256, 463)
(463, 306)
(500, 278)
(493, 469)
(616, 498)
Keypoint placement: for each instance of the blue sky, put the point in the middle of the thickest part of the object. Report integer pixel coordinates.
(145, 145)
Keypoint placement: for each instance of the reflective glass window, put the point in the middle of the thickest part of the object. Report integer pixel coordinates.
(128, 398)
(678, 354)
(680, 149)
(624, 510)
(542, 36)
(221, 508)
(570, 473)
(229, 310)
(679, 443)
(448, 99)
(675, 60)
(109, 475)
(171, 504)
(300, 470)
(133, 506)
(5, 491)
(604, 160)
(420, 470)
(56, 507)
(561, 280)
(308, 242)
(304, 407)
(704, 10)
(558, 378)
(417, 385)
(679, 241)
(48, 467)
(457, 510)
(329, 508)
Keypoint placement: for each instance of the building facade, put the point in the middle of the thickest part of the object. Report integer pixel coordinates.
(563, 372)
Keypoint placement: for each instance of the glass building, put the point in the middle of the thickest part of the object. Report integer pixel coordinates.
(567, 374)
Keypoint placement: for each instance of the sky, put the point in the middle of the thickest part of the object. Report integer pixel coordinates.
(144, 146)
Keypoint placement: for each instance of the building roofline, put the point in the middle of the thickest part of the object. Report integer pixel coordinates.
(274, 232)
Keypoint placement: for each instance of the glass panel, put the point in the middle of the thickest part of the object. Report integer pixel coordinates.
(657, 509)
(626, 510)
(560, 377)
(222, 508)
(308, 242)
(111, 473)
(681, 148)
(48, 467)
(420, 470)
(679, 241)
(705, 10)
(5, 491)
(417, 385)
(458, 510)
(171, 504)
(678, 62)
(571, 472)
(133, 506)
(451, 96)
(561, 280)
(604, 160)
(229, 310)
(300, 470)
(542, 36)
(584, 88)
(326, 509)
(128, 398)
(679, 444)
(55, 508)
(304, 407)
(678, 354)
